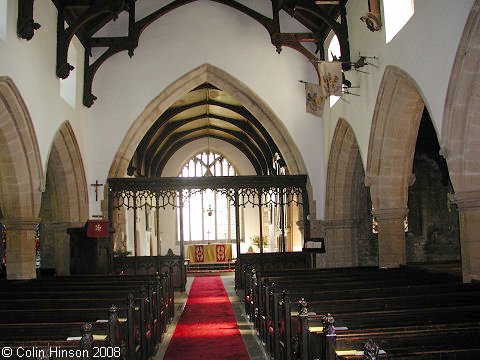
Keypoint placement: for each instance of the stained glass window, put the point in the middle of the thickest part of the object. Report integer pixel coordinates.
(3, 250)
(375, 224)
(37, 246)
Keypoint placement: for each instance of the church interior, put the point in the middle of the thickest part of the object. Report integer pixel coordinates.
(300, 179)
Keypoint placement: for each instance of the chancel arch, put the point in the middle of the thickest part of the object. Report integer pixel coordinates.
(21, 182)
(460, 140)
(210, 109)
(65, 200)
(349, 240)
(206, 106)
(215, 76)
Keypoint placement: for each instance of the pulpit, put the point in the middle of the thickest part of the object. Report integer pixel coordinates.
(88, 254)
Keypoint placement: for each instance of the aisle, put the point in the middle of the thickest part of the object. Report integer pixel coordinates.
(207, 328)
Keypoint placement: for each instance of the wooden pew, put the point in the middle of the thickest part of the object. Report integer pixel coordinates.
(148, 313)
(258, 303)
(81, 345)
(351, 296)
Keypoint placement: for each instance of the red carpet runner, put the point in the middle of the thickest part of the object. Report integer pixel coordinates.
(207, 329)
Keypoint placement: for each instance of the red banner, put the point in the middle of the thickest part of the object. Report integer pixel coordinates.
(221, 252)
(97, 228)
(199, 253)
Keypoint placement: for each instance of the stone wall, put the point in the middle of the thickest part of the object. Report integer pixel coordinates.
(433, 234)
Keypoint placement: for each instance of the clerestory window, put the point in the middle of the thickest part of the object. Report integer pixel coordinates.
(396, 13)
(334, 53)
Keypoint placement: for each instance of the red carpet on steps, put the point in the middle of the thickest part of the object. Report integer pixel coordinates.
(207, 329)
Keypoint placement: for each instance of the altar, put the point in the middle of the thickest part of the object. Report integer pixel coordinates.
(209, 253)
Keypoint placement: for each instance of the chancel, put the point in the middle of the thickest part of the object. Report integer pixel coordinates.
(302, 174)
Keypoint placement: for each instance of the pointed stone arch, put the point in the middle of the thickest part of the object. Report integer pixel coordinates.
(221, 79)
(460, 140)
(20, 165)
(342, 164)
(346, 199)
(65, 200)
(21, 182)
(393, 136)
(461, 123)
(66, 181)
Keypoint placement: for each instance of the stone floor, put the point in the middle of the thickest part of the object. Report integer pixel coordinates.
(252, 343)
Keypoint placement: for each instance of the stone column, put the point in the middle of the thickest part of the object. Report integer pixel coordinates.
(341, 244)
(391, 237)
(469, 218)
(21, 248)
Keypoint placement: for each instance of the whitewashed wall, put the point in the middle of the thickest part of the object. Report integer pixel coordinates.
(425, 49)
(219, 35)
(224, 38)
(31, 65)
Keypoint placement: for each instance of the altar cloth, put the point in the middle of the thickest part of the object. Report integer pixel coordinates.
(209, 253)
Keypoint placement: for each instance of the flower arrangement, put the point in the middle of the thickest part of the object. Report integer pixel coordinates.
(121, 253)
(256, 240)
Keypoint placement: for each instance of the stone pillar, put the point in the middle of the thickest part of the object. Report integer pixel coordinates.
(391, 237)
(469, 218)
(340, 242)
(21, 248)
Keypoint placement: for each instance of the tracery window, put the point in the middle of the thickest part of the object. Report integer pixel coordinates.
(208, 215)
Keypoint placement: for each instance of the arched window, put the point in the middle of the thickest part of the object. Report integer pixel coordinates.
(397, 13)
(208, 215)
(3, 19)
(68, 86)
(334, 53)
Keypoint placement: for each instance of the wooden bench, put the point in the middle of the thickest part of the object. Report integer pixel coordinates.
(366, 303)
(53, 313)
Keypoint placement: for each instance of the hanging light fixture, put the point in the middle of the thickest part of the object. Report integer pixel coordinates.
(209, 210)
(208, 172)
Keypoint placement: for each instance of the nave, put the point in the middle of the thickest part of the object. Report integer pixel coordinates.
(250, 341)
(343, 313)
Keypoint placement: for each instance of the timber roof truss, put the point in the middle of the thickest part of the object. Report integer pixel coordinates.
(84, 19)
(204, 112)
